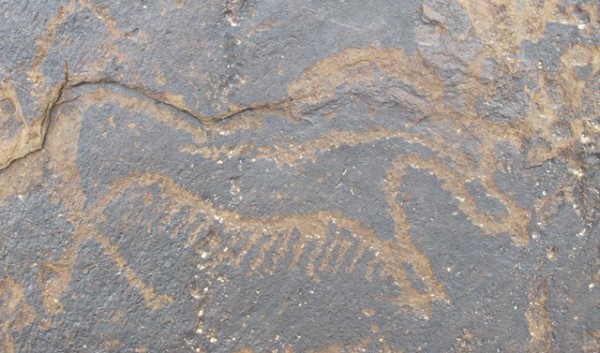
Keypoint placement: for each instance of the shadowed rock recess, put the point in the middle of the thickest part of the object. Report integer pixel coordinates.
(300, 176)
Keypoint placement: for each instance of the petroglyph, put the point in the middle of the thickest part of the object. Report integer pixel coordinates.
(326, 240)
(348, 237)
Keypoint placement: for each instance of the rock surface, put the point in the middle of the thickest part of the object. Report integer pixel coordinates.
(300, 176)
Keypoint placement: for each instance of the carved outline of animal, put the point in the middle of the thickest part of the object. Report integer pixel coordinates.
(505, 226)
(63, 158)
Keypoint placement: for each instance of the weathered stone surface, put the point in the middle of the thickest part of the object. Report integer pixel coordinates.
(299, 176)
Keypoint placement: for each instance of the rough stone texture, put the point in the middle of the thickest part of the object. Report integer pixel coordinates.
(300, 176)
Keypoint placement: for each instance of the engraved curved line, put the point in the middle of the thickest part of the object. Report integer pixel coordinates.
(514, 223)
